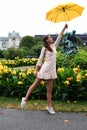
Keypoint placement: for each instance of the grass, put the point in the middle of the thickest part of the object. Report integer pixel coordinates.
(63, 106)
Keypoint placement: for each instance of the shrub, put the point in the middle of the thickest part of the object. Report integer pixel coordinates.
(80, 59)
(73, 60)
(12, 53)
(71, 83)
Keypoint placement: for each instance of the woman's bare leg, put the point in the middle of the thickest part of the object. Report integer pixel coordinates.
(49, 92)
(32, 87)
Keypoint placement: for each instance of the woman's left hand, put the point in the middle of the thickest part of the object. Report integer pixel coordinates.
(66, 26)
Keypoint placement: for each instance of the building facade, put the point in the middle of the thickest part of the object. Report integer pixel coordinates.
(83, 37)
(12, 41)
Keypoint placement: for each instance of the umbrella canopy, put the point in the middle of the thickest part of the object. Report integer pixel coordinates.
(64, 12)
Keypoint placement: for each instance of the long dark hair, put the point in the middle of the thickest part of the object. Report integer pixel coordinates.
(46, 43)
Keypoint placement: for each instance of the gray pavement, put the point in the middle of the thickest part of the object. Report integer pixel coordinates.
(13, 119)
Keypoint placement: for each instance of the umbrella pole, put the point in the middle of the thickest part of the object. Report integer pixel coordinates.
(66, 28)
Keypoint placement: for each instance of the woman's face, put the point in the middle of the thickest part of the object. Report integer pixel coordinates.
(50, 39)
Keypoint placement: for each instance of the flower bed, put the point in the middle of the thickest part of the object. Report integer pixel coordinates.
(71, 83)
(19, 62)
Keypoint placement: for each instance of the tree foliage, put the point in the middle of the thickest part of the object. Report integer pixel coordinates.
(27, 41)
(12, 53)
(37, 40)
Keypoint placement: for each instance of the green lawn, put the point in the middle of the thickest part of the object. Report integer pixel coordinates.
(74, 106)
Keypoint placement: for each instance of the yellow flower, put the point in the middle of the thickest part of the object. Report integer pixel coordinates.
(69, 78)
(66, 82)
(1, 66)
(3, 69)
(60, 70)
(14, 72)
(11, 62)
(42, 83)
(34, 59)
(76, 70)
(86, 75)
(30, 70)
(22, 74)
(20, 82)
(78, 78)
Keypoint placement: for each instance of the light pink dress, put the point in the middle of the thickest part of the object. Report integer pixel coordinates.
(48, 68)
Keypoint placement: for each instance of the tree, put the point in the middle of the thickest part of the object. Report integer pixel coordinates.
(1, 54)
(38, 40)
(27, 41)
(35, 50)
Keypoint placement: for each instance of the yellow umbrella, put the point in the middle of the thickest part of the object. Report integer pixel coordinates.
(64, 12)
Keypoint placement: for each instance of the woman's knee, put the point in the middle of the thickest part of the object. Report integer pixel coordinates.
(49, 82)
(36, 82)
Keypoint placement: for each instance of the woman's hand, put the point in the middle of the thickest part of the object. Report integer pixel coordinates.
(37, 70)
(35, 73)
(65, 26)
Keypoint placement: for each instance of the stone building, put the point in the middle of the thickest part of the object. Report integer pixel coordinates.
(12, 41)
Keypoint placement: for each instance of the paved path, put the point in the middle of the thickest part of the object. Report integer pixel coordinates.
(13, 119)
(24, 67)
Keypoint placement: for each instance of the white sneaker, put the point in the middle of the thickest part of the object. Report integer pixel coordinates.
(23, 103)
(50, 110)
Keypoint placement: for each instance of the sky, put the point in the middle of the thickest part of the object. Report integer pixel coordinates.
(28, 17)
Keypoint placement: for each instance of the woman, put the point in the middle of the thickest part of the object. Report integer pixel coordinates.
(47, 70)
